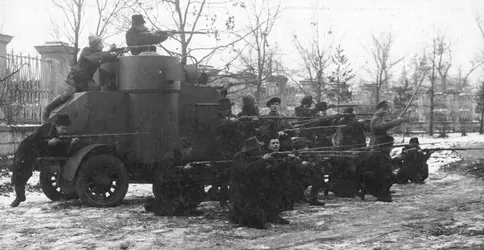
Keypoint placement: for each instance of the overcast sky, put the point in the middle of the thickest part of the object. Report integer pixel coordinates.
(352, 22)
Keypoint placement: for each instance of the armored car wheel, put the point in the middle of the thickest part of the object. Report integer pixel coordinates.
(49, 183)
(102, 181)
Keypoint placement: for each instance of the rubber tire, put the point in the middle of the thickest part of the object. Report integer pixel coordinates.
(91, 163)
(51, 191)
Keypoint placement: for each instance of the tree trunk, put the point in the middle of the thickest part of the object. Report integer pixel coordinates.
(482, 120)
(377, 94)
(431, 128)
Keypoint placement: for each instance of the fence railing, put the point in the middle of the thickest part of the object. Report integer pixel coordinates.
(24, 94)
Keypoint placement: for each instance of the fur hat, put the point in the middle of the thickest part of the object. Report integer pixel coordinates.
(63, 120)
(307, 100)
(273, 100)
(94, 40)
(382, 104)
(248, 100)
(137, 20)
(414, 140)
(322, 106)
(251, 143)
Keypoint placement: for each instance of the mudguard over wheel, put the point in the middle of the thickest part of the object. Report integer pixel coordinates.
(102, 181)
(49, 183)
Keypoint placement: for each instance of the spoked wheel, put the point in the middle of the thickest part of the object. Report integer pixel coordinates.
(49, 183)
(102, 181)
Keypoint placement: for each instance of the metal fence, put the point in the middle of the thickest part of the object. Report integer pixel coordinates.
(23, 91)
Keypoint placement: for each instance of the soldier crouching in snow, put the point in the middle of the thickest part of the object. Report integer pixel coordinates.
(43, 142)
(413, 163)
(248, 188)
(176, 192)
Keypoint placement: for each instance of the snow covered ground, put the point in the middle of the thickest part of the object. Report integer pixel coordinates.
(446, 212)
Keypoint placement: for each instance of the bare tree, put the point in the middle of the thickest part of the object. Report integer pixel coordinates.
(259, 56)
(190, 18)
(440, 63)
(480, 106)
(316, 57)
(380, 55)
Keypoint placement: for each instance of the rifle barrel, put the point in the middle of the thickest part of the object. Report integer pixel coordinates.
(101, 135)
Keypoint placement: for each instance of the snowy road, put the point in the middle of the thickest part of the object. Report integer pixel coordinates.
(447, 212)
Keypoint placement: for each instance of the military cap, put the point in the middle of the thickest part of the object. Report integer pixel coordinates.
(273, 100)
(307, 100)
(137, 20)
(382, 104)
(63, 120)
(251, 143)
(414, 140)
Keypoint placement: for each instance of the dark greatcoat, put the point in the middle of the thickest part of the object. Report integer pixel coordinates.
(273, 126)
(353, 133)
(249, 127)
(176, 191)
(33, 146)
(250, 205)
(89, 61)
(228, 139)
(143, 37)
(414, 166)
(379, 127)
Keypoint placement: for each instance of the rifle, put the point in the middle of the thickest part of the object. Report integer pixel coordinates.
(274, 117)
(451, 149)
(411, 98)
(314, 128)
(97, 135)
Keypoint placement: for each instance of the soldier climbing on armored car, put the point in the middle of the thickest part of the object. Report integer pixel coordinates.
(42, 142)
(80, 77)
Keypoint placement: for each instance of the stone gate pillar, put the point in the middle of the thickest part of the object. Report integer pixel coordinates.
(4, 41)
(60, 56)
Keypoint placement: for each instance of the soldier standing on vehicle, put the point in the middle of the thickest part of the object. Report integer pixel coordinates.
(276, 126)
(378, 176)
(248, 188)
(42, 142)
(138, 34)
(80, 77)
(176, 191)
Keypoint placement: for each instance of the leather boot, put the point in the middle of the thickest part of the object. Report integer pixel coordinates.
(20, 195)
(53, 105)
